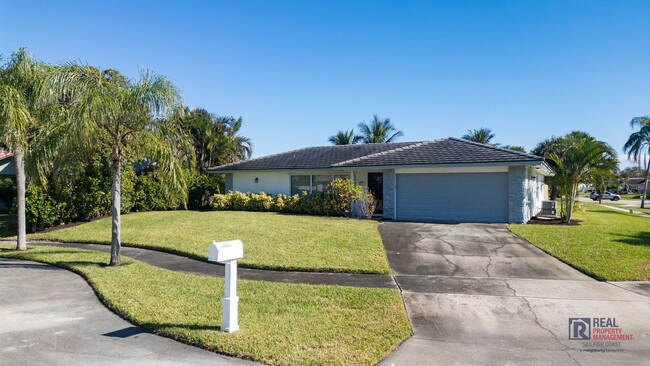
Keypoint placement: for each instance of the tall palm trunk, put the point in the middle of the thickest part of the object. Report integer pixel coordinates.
(19, 157)
(645, 186)
(115, 213)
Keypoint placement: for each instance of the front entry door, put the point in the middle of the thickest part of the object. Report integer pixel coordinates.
(376, 186)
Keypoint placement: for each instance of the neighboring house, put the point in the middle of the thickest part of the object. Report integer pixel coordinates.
(445, 180)
(635, 184)
(7, 164)
(7, 170)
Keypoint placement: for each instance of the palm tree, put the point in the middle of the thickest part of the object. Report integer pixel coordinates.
(345, 138)
(216, 140)
(21, 115)
(482, 135)
(577, 159)
(378, 131)
(233, 147)
(638, 145)
(105, 111)
(514, 148)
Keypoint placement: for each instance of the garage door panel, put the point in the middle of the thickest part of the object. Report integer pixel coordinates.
(460, 197)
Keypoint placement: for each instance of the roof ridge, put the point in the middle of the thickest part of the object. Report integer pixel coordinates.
(496, 148)
(259, 158)
(402, 148)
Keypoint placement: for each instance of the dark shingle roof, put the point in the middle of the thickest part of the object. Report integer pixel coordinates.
(442, 151)
(311, 157)
(635, 181)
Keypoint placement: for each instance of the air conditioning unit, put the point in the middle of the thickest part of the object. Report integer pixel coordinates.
(549, 208)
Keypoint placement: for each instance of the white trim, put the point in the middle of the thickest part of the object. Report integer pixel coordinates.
(443, 170)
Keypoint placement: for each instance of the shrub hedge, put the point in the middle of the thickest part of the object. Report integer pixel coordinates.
(86, 194)
(341, 198)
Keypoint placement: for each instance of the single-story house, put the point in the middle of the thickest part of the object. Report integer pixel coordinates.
(635, 184)
(444, 180)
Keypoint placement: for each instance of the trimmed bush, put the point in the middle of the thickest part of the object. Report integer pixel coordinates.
(202, 187)
(41, 210)
(341, 198)
(7, 192)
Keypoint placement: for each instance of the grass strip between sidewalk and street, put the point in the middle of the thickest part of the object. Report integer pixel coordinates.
(281, 324)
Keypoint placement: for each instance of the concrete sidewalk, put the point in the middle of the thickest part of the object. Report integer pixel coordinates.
(180, 263)
(51, 316)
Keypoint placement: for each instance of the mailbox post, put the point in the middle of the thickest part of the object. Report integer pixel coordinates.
(228, 252)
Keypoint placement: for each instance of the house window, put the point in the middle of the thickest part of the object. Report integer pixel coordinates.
(300, 183)
(319, 182)
(313, 183)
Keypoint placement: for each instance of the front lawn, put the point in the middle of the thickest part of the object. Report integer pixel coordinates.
(608, 245)
(271, 240)
(281, 324)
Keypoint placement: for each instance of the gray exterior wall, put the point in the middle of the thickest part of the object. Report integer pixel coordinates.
(228, 179)
(389, 193)
(517, 195)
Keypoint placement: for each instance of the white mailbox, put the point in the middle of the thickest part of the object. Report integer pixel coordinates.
(228, 252)
(225, 251)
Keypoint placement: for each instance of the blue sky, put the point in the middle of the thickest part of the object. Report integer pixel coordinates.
(297, 71)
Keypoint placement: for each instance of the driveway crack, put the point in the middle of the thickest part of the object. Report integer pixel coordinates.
(487, 268)
(456, 267)
(536, 319)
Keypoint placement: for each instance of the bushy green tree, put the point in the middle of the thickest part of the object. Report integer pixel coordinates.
(22, 115)
(216, 139)
(577, 158)
(109, 114)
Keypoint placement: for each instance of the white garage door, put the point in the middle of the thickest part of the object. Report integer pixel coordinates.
(458, 197)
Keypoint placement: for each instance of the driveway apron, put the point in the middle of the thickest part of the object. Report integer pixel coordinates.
(478, 294)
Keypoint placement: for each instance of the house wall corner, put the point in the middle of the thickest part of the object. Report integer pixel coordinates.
(390, 186)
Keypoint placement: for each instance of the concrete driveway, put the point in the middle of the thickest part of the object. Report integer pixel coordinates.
(478, 294)
(50, 316)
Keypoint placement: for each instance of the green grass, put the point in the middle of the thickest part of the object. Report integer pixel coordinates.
(271, 240)
(626, 206)
(607, 245)
(281, 324)
(633, 196)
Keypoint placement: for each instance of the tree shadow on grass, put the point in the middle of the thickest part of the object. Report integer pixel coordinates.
(641, 238)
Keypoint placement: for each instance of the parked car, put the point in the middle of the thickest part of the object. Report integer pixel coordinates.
(606, 196)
